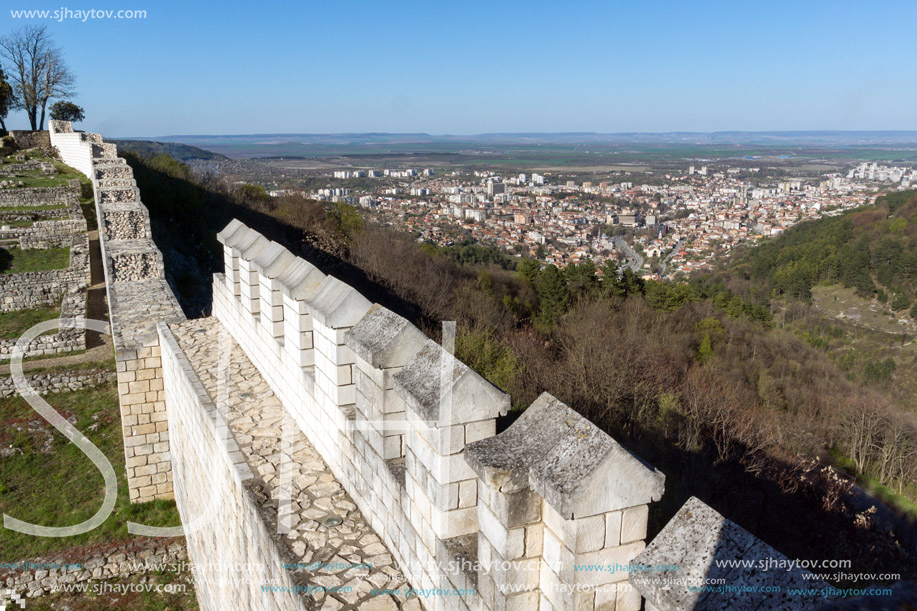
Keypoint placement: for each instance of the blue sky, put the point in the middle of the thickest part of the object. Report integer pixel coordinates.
(470, 67)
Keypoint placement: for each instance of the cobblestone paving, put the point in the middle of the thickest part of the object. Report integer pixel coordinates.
(138, 306)
(350, 554)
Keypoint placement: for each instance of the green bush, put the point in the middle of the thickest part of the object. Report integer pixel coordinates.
(480, 351)
(879, 372)
(901, 302)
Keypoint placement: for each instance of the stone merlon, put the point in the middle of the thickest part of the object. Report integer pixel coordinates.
(300, 281)
(699, 541)
(385, 340)
(244, 241)
(337, 305)
(577, 468)
(273, 260)
(230, 229)
(472, 397)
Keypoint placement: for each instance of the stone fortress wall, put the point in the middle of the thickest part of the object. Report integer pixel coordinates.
(406, 431)
(212, 479)
(11, 169)
(138, 298)
(502, 521)
(410, 433)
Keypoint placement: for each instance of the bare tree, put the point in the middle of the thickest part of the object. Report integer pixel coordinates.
(38, 71)
(902, 463)
(861, 429)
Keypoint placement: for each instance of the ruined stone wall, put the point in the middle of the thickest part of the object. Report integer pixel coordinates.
(46, 234)
(138, 298)
(31, 215)
(137, 557)
(11, 169)
(27, 139)
(44, 196)
(66, 339)
(65, 381)
(34, 289)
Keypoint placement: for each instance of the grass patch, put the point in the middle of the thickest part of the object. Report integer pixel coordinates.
(17, 224)
(63, 487)
(880, 490)
(36, 180)
(27, 209)
(18, 261)
(13, 324)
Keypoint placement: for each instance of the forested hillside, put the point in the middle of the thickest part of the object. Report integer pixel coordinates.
(697, 378)
(873, 250)
(151, 148)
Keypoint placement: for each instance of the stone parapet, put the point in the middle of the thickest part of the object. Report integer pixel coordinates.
(557, 494)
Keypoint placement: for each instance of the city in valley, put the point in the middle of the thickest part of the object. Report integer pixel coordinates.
(657, 223)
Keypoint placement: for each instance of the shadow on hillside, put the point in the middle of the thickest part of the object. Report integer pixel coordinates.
(796, 524)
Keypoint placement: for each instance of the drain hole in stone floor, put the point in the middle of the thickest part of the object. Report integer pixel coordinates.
(332, 521)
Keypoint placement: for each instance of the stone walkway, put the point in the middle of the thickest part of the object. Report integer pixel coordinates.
(328, 534)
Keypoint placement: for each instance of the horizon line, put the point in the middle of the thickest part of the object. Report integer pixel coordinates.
(536, 133)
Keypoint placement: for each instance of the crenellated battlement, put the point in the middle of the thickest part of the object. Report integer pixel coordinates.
(410, 432)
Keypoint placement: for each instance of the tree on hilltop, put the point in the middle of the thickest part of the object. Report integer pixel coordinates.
(37, 71)
(6, 99)
(66, 111)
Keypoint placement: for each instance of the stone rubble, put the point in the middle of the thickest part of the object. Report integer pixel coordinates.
(136, 557)
(44, 383)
